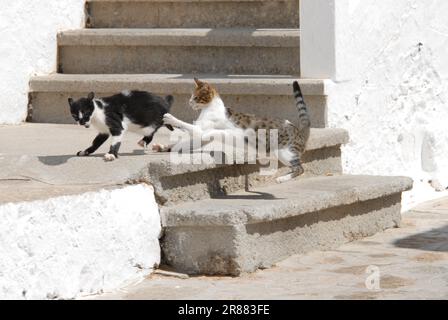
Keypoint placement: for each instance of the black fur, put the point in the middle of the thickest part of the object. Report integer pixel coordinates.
(109, 116)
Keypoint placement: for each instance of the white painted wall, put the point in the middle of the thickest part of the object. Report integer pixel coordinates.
(390, 92)
(71, 246)
(28, 32)
(317, 38)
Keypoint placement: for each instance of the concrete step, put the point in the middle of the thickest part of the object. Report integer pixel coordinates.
(245, 231)
(193, 14)
(223, 51)
(50, 160)
(269, 96)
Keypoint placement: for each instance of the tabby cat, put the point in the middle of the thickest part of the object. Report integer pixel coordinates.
(215, 115)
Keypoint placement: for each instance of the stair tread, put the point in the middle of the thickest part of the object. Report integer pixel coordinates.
(221, 37)
(51, 160)
(283, 200)
(177, 83)
(186, 0)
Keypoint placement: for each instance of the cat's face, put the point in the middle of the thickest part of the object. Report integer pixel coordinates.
(202, 96)
(82, 109)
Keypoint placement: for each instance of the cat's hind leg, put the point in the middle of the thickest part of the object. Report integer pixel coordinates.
(146, 141)
(291, 158)
(149, 133)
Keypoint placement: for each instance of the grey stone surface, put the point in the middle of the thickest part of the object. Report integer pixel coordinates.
(222, 51)
(181, 37)
(249, 230)
(44, 155)
(193, 14)
(269, 96)
(411, 262)
(283, 201)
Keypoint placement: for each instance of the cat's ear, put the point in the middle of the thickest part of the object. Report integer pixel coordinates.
(91, 96)
(70, 101)
(198, 82)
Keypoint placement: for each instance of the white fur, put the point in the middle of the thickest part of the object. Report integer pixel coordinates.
(98, 119)
(285, 178)
(285, 156)
(109, 157)
(117, 139)
(212, 117)
(126, 93)
(145, 131)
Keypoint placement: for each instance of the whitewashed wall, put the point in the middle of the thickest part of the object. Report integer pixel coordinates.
(28, 32)
(391, 70)
(72, 246)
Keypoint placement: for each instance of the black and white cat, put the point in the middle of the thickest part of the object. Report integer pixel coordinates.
(137, 111)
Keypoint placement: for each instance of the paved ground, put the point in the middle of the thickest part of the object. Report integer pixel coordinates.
(412, 263)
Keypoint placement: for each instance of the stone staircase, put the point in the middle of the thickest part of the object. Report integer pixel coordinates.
(250, 50)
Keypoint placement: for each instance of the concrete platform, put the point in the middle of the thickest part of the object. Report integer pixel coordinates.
(221, 51)
(245, 231)
(193, 14)
(40, 158)
(264, 95)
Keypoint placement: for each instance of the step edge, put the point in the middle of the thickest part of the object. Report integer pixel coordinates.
(180, 84)
(181, 37)
(155, 1)
(172, 219)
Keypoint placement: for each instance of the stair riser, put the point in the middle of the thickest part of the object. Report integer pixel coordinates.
(178, 59)
(52, 107)
(217, 182)
(222, 14)
(233, 250)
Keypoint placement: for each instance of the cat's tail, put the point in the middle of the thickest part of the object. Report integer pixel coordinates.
(304, 116)
(170, 100)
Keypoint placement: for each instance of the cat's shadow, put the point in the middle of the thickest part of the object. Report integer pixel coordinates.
(62, 159)
(250, 195)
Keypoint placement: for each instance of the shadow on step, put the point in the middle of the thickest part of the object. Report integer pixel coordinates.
(62, 159)
(250, 195)
(432, 240)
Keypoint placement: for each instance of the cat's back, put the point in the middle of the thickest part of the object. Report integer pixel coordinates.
(136, 97)
(250, 121)
(131, 101)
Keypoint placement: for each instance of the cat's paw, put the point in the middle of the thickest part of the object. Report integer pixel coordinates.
(82, 154)
(142, 143)
(158, 147)
(108, 157)
(169, 119)
(298, 172)
(284, 179)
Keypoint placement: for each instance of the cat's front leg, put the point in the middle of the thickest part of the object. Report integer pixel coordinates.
(97, 142)
(169, 119)
(117, 136)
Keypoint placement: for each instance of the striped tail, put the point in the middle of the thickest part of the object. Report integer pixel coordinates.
(304, 116)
